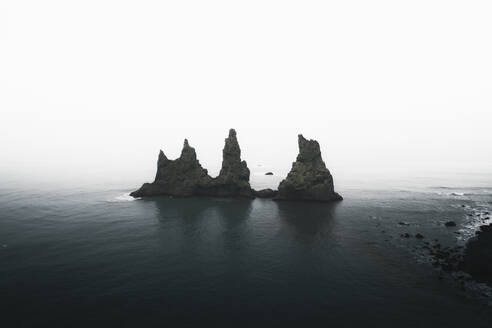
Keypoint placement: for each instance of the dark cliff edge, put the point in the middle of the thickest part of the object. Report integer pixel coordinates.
(309, 178)
(477, 259)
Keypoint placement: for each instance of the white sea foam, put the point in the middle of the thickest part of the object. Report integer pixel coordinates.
(460, 194)
(123, 198)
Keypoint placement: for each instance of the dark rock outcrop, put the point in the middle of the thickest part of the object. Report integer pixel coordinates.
(269, 173)
(309, 179)
(450, 224)
(233, 179)
(265, 193)
(477, 259)
(185, 176)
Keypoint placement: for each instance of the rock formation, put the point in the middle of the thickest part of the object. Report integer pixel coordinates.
(309, 179)
(233, 179)
(477, 259)
(185, 176)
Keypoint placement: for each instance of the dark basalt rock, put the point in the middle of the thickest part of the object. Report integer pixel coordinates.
(233, 179)
(186, 177)
(477, 260)
(309, 179)
(183, 176)
(265, 193)
(269, 173)
(450, 224)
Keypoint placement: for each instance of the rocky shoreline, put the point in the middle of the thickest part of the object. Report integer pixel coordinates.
(468, 264)
(308, 180)
(477, 257)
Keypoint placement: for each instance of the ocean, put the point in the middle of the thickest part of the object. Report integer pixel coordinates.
(91, 256)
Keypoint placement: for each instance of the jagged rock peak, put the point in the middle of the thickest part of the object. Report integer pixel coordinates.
(185, 176)
(232, 167)
(231, 151)
(309, 179)
(233, 179)
(162, 156)
(308, 150)
(188, 152)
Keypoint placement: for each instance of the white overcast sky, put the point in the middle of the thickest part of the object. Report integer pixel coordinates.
(91, 88)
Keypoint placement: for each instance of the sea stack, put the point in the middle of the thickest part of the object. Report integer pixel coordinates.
(309, 179)
(233, 179)
(183, 176)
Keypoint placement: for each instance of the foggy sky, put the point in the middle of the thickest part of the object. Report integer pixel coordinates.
(96, 88)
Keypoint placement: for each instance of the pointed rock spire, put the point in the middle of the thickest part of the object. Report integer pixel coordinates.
(309, 179)
(233, 179)
(308, 150)
(162, 157)
(183, 176)
(188, 153)
(232, 167)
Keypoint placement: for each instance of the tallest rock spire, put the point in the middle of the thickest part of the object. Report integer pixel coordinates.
(233, 179)
(232, 166)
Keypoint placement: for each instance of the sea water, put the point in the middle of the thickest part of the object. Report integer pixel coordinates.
(94, 257)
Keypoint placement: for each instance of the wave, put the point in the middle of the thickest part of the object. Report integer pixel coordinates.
(459, 194)
(123, 198)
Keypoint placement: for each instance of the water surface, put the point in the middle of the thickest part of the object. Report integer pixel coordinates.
(92, 257)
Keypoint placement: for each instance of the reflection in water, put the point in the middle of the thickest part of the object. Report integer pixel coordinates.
(197, 220)
(308, 219)
(233, 212)
(187, 209)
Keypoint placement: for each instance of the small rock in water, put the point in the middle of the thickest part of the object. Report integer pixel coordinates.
(450, 224)
(403, 223)
(419, 236)
(405, 235)
(269, 173)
